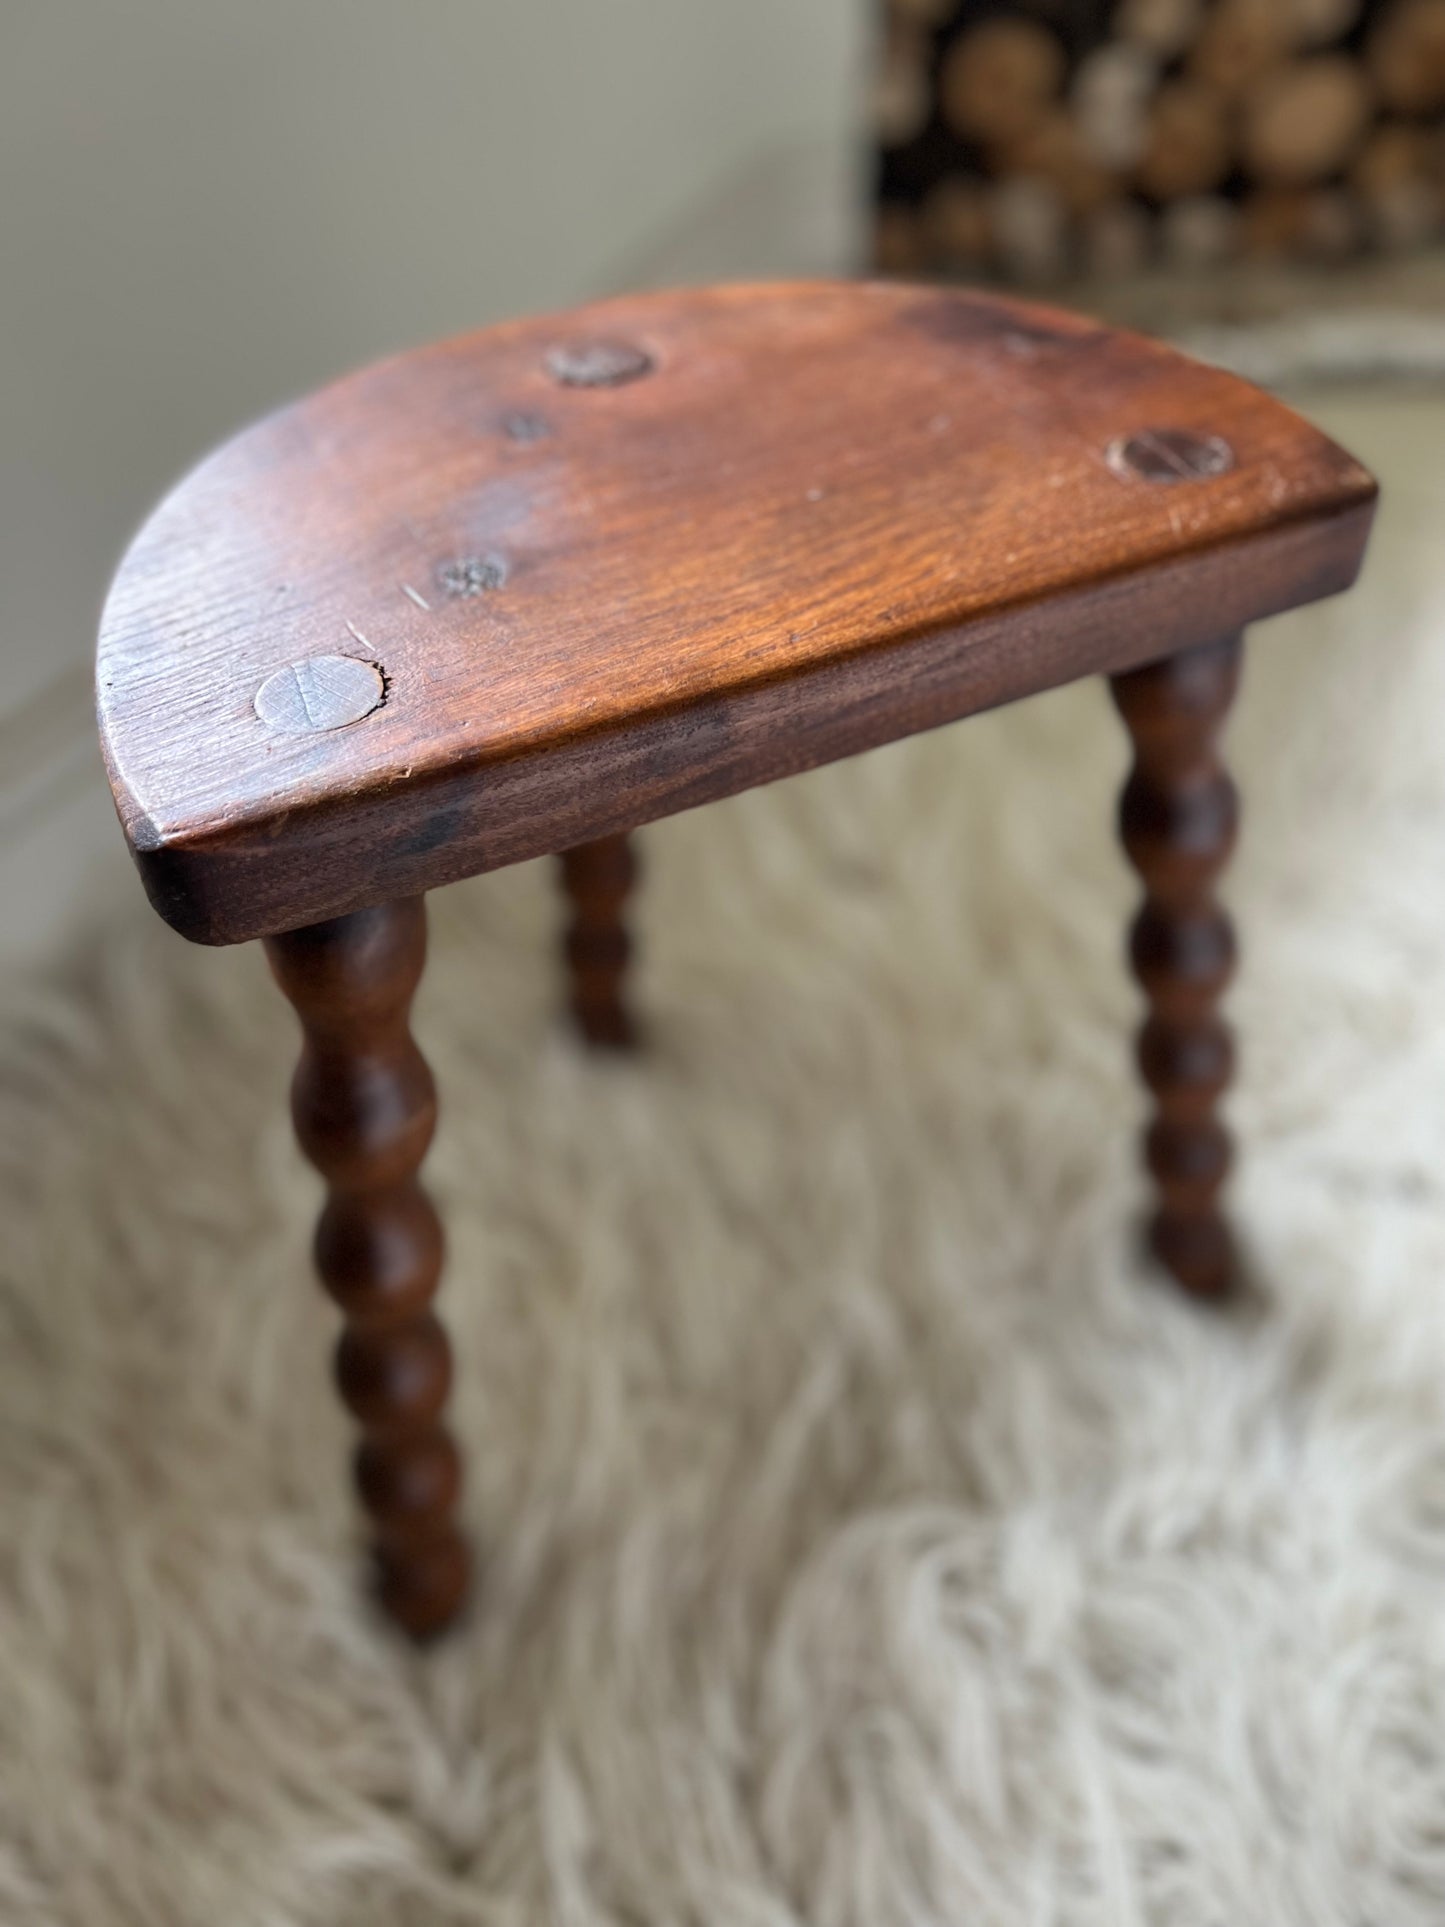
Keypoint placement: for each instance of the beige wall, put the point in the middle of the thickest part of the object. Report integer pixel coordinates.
(207, 205)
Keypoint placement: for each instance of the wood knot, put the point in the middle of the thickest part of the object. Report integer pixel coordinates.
(472, 575)
(320, 692)
(603, 363)
(1169, 455)
(522, 425)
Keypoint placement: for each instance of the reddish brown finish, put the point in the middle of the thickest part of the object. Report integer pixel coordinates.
(365, 1110)
(602, 585)
(518, 593)
(597, 879)
(1177, 817)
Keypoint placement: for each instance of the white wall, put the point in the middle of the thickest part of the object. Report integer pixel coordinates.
(207, 206)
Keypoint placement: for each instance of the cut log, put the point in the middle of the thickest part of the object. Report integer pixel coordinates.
(1030, 230)
(1164, 27)
(1407, 216)
(1305, 121)
(1333, 226)
(901, 100)
(1406, 57)
(1055, 152)
(1200, 232)
(897, 240)
(1111, 95)
(1116, 240)
(957, 229)
(1240, 42)
(1000, 78)
(1189, 149)
(1316, 23)
(1393, 154)
(1275, 222)
(1397, 180)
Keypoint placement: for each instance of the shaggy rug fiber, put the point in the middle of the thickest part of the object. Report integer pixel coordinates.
(867, 1537)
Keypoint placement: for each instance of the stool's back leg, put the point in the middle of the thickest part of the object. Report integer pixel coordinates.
(1177, 818)
(365, 1108)
(597, 879)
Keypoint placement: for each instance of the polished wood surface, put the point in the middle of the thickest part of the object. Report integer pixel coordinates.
(1178, 817)
(365, 1109)
(597, 879)
(530, 588)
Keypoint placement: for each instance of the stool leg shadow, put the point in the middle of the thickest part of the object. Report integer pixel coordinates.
(364, 1107)
(597, 880)
(1178, 817)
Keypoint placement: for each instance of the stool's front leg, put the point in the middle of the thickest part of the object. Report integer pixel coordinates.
(597, 879)
(1177, 818)
(364, 1108)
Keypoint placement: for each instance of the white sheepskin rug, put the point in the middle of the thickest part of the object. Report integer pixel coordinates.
(867, 1537)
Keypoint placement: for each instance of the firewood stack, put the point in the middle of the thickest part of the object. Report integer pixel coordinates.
(1032, 139)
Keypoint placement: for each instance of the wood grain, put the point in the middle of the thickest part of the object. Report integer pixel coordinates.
(819, 517)
(365, 1110)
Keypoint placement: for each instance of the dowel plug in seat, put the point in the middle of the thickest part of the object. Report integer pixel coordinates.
(521, 592)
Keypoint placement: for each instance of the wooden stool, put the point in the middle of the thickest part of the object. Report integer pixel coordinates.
(520, 592)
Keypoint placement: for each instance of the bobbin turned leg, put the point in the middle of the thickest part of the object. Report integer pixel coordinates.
(1177, 818)
(597, 879)
(364, 1108)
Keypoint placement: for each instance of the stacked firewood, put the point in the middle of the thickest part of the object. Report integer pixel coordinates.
(1034, 138)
